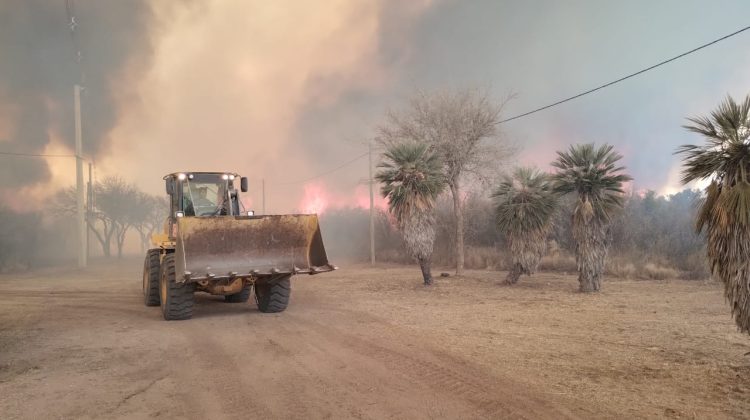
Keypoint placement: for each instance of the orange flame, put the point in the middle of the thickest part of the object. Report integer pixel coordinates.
(315, 198)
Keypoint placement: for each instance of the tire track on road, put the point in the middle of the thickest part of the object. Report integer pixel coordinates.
(493, 397)
(214, 386)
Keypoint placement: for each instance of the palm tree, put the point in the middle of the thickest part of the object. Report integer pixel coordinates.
(412, 178)
(592, 174)
(724, 214)
(524, 206)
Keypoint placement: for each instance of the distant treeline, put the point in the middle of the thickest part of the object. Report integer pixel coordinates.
(32, 239)
(652, 237)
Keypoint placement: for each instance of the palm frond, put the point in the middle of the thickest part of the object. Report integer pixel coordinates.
(412, 178)
(524, 201)
(524, 206)
(724, 214)
(593, 174)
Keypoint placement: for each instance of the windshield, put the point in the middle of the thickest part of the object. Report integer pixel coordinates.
(204, 195)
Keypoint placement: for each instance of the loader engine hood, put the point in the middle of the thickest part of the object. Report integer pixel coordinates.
(248, 246)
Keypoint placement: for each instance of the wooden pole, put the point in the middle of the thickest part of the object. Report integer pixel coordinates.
(80, 202)
(372, 208)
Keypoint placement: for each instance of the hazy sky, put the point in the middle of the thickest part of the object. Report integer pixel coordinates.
(287, 90)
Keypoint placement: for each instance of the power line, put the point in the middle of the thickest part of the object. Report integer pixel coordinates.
(625, 77)
(36, 155)
(659, 64)
(43, 155)
(330, 171)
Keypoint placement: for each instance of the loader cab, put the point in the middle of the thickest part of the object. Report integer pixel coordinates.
(204, 194)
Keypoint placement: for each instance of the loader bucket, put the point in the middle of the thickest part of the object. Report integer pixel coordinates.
(248, 246)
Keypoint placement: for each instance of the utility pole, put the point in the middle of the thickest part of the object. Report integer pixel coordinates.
(372, 207)
(89, 212)
(263, 201)
(80, 202)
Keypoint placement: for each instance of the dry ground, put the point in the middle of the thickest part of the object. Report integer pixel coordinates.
(371, 343)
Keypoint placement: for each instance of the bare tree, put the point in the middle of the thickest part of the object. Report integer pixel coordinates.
(99, 223)
(113, 211)
(149, 212)
(116, 199)
(461, 127)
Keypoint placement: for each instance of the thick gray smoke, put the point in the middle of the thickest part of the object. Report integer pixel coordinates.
(545, 51)
(38, 68)
(304, 83)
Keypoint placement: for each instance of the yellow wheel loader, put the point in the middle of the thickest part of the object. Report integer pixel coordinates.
(211, 244)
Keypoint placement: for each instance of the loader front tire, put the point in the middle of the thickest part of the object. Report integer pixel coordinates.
(151, 278)
(241, 296)
(176, 298)
(274, 296)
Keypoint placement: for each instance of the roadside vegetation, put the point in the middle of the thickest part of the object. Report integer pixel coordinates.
(524, 206)
(580, 217)
(412, 179)
(724, 214)
(591, 174)
(31, 239)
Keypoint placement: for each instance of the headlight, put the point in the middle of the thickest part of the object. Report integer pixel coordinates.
(179, 214)
(231, 177)
(251, 213)
(225, 177)
(181, 177)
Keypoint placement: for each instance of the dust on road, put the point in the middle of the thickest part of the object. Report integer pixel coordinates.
(370, 343)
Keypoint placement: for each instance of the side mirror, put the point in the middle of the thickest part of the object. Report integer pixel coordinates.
(243, 184)
(170, 186)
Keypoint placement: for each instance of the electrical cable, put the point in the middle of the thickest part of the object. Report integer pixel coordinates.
(35, 155)
(661, 63)
(323, 173)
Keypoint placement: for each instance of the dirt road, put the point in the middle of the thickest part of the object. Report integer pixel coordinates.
(370, 343)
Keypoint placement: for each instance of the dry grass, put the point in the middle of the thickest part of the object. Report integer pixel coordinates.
(621, 266)
(638, 349)
(655, 272)
(621, 269)
(485, 258)
(559, 263)
(632, 268)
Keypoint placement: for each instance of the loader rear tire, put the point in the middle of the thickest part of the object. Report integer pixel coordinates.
(176, 298)
(151, 278)
(274, 297)
(239, 297)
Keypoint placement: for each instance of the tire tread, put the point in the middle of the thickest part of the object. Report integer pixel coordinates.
(152, 267)
(180, 298)
(274, 297)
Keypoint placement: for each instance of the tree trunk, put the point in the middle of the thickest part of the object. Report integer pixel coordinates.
(144, 239)
(459, 218)
(514, 274)
(729, 258)
(98, 237)
(424, 264)
(591, 253)
(106, 247)
(120, 242)
(109, 230)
